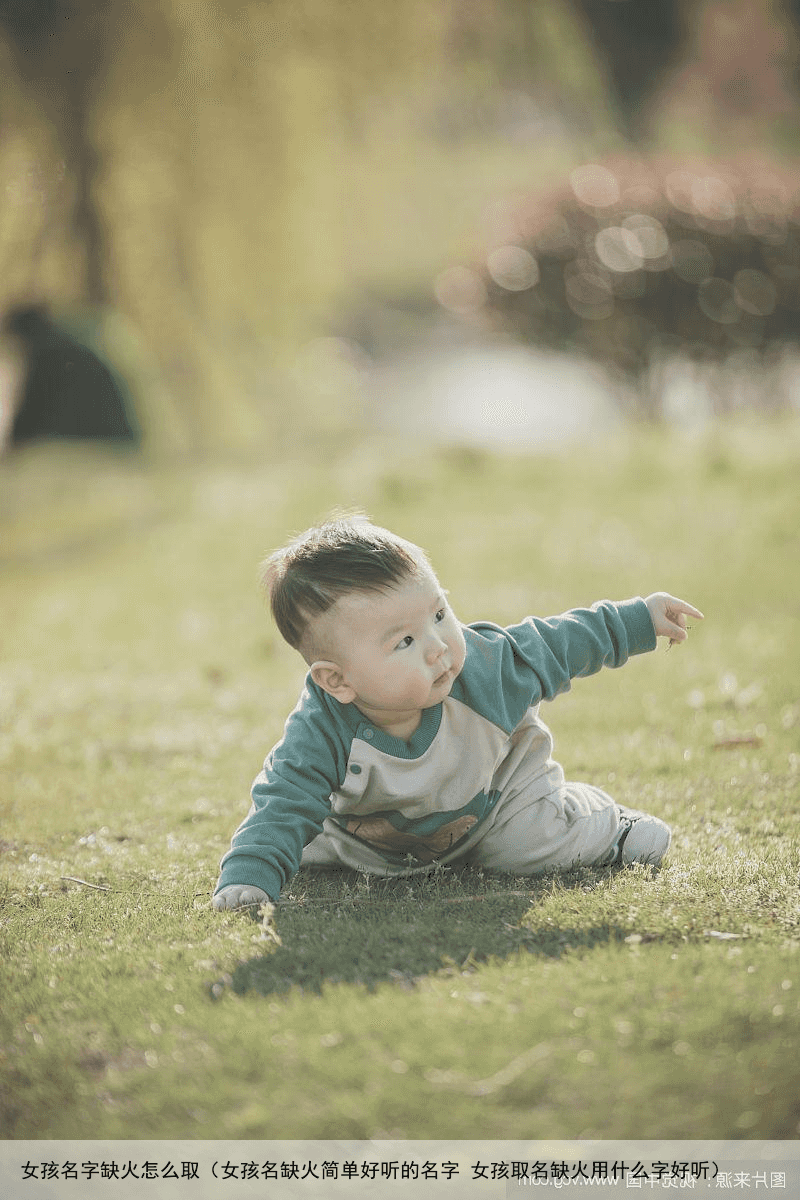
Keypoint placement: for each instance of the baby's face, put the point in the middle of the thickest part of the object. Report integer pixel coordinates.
(398, 651)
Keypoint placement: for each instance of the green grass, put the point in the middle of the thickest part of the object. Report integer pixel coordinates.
(142, 684)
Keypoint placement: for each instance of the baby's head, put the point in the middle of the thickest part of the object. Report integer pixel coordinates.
(365, 609)
(344, 555)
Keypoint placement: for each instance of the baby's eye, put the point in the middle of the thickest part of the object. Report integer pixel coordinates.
(405, 642)
(441, 614)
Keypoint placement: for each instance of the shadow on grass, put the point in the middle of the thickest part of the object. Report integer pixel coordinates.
(335, 927)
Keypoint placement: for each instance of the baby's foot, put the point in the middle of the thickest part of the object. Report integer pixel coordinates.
(642, 839)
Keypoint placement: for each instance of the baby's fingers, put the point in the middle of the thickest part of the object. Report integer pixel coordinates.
(681, 606)
(675, 614)
(669, 615)
(238, 896)
(676, 629)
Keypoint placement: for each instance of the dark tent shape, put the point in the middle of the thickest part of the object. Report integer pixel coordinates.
(70, 389)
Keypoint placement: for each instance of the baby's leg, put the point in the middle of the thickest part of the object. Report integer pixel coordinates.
(574, 825)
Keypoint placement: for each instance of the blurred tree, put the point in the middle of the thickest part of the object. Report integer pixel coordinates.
(231, 170)
(737, 84)
(60, 48)
(715, 70)
(639, 42)
(521, 56)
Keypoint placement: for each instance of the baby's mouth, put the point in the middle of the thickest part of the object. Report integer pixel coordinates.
(442, 678)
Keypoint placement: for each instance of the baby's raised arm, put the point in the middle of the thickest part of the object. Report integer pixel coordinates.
(669, 615)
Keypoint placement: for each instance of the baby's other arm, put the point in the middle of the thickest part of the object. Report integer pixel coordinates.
(238, 895)
(669, 614)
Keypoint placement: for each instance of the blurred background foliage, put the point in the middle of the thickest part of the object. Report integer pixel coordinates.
(227, 184)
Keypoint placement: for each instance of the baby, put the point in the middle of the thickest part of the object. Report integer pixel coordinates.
(418, 739)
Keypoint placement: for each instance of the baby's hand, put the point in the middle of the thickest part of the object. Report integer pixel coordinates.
(237, 895)
(669, 616)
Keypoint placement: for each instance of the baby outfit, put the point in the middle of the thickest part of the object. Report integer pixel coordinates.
(476, 782)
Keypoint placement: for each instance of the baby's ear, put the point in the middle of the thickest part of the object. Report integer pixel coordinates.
(328, 676)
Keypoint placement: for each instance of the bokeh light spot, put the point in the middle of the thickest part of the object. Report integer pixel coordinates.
(513, 268)
(619, 249)
(652, 238)
(595, 186)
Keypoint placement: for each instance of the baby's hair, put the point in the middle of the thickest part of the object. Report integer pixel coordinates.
(344, 554)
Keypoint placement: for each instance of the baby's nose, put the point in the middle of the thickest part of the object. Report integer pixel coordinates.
(436, 649)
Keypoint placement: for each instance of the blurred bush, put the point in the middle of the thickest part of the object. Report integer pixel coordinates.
(634, 262)
(687, 245)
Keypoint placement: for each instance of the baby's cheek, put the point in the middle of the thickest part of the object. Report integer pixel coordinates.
(462, 650)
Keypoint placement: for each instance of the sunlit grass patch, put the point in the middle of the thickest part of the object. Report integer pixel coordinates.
(141, 686)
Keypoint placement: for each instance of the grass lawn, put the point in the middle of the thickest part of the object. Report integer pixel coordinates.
(142, 684)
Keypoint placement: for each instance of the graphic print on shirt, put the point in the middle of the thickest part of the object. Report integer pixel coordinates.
(424, 841)
(419, 806)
